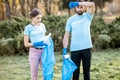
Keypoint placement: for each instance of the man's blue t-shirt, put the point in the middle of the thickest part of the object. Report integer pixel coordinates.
(35, 33)
(79, 26)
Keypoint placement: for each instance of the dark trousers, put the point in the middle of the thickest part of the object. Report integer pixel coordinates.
(85, 57)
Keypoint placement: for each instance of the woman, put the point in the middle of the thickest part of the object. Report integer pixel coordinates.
(33, 38)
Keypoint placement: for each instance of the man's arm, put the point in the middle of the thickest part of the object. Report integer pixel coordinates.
(90, 6)
(66, 39)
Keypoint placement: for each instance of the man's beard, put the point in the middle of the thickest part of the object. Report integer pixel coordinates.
(80, 12)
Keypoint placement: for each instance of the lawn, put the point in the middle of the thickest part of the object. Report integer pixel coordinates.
(105, 66)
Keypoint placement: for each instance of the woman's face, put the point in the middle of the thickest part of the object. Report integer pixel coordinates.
(37, 19)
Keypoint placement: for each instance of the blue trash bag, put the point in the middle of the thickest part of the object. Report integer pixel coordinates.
(68, 67)
(48, 61)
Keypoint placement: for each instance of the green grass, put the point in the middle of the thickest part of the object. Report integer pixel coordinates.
(105, 66)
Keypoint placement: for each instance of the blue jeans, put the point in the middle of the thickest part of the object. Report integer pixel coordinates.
(85, 57)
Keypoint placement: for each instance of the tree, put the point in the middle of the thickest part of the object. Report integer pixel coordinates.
(33, 4)
(48, 6)
(7, 9)
(13, 7)
(22, 4)
(101, 4)
(1, 10)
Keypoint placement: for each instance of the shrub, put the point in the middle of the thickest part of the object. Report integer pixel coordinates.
(99, 33)
(11, 37)
(7, 46)
(56, 25)
(114, 33)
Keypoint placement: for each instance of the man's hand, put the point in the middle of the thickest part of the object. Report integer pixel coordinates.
(73, 4)
(65, 55)
(90, 6)
(64, 51)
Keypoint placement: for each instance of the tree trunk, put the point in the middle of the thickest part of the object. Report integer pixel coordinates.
(13, 7)
(22, 4)
(7, 9)
(69, 12)
(34, 4)
(48, 6)
(1, 11)
(28, 8)
(28, 4)
(101, 6)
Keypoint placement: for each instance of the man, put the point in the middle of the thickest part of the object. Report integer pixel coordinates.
(78, 26)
